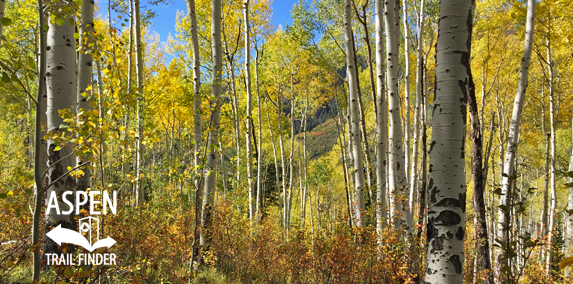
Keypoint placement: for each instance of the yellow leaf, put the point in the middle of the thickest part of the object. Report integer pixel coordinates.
(10, 193)
(9, 263)
(122, 128)
(566, 262)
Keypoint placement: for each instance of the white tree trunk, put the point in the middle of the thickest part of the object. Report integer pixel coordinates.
(381, 125)
(249, 107)
(416, 138)
(196, 93)
(213, 138)
(354, 118)
(407, 103)
(511, 148)
(61, 91)
(139, 189)
(288, 202)
(396, 159)
(260, 194)
(552, 200)
(447, 184)
(282, 201)
(569, 217)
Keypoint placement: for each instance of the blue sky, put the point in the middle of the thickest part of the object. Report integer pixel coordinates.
(164, 23)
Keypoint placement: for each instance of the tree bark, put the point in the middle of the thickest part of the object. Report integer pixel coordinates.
(139, 189)
(381, 125)
(416, 138)
(249, 108)
(197, 134)
(553, 196)
(396, 159)
(407, 106)
(260, 195)
(479, 181)
(447, 186)
(354, 117)
(511, 148)
(568, 215)
(61, 90)
(38, 168)
(214, 123)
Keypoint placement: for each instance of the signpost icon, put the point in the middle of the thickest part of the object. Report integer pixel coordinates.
(89, 227)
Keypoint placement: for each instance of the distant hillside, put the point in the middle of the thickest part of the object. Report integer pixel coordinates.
(321, 138)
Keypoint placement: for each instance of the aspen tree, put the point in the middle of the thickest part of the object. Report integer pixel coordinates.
(381, 124)
(396, 159)
(61, 91)
(139, 189)
(214, 123)
(511, 148)
(260, 195)
(447, 185)
(248, 130)
(419, 85)
(354, 117)
(569, 217)
(38, 168)
(553, 196)
(197, 135)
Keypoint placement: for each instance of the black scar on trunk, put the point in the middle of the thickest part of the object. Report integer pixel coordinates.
(448, 218)
(455, 260)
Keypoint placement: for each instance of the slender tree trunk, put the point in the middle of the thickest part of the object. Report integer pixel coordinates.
(214, 123)
(249, 108)
(511, 148)
(397, 174)
(139, 189)
(354, 120)
(381, 125)
(423, 186)
(38, 168)
(288, 205)
(365, 139)
(130, 49)
(407, 105)
(416, 138)
(552, 201)
(305, 164)
(197, 134)
(568, 216)
(545, 208)
(447, 185)
(260, 197)
(342, 142)
(283, 167)
(61, 89)
(479, 181)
